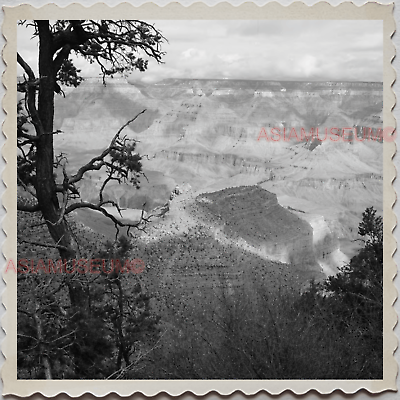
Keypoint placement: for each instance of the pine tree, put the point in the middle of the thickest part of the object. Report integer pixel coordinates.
(119, 300)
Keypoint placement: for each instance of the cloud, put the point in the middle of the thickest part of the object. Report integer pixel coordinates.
(194, 55)
(308, 65)
(262, 49)
(229, 58)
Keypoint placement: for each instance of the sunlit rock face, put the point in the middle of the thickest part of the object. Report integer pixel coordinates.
(207, 133)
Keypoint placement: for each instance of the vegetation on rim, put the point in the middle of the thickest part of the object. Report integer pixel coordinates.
(331, 331)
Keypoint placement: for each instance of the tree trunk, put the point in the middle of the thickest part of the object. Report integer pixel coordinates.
(46, 184)
(41, 340)
(123, 350)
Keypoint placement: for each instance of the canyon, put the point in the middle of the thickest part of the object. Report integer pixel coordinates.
(300, 200)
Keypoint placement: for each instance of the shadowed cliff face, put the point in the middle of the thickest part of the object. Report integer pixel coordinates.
(253, 219)
(254, 215)
(207, 133)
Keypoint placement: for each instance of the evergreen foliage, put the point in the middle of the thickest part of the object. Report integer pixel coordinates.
(58, 341)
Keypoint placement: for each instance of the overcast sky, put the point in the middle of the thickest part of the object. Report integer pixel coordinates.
(270, 50)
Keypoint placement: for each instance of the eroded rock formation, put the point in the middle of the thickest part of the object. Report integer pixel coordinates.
(207, 133)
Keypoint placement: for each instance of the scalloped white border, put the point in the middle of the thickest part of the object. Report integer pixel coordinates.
(273, 10)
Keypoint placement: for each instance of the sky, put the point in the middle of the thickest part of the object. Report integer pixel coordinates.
(318, 50)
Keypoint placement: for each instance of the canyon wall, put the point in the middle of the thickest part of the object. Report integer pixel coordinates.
(206, 133)
(92, 112)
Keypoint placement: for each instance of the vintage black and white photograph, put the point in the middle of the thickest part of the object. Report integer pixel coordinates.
(200, 199)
